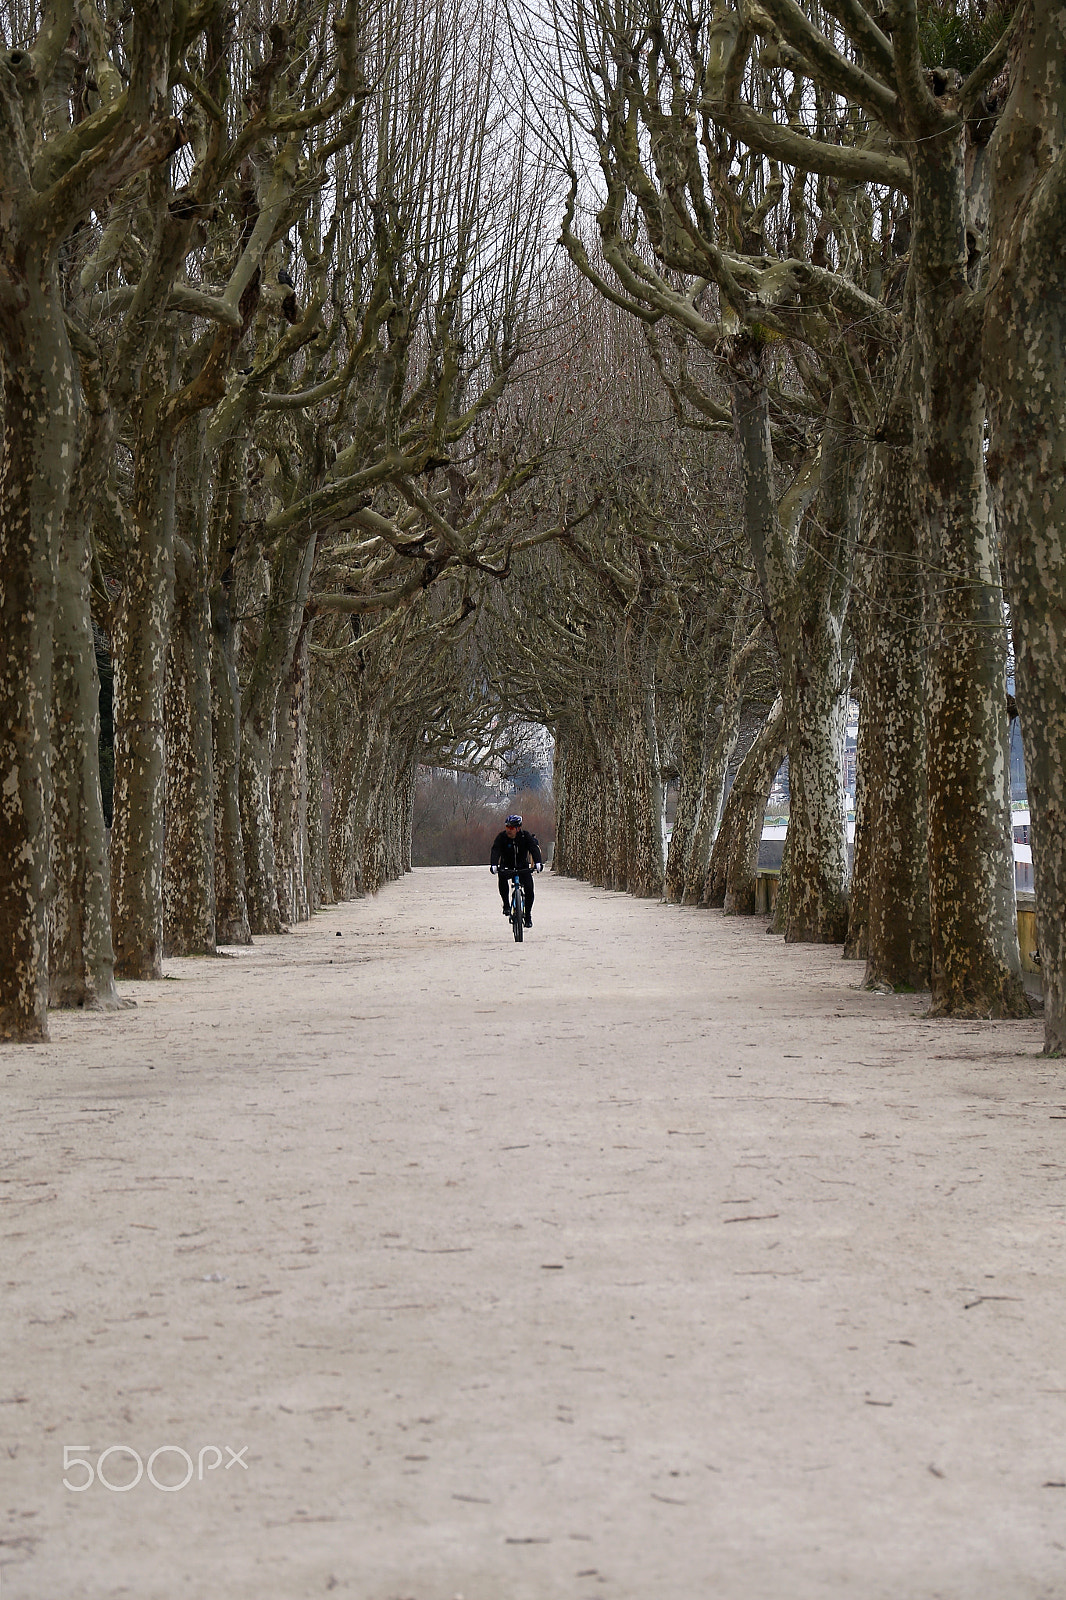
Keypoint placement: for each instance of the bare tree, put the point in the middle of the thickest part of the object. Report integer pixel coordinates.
(1024, 328)
(56, 166)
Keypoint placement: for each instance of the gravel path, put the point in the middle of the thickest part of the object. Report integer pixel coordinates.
(650, 1260)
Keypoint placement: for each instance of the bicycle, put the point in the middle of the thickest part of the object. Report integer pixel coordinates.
(518, 903)
(518, 911)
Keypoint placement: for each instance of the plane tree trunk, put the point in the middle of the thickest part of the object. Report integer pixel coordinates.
(227, 512)
(580, 780)
(1025, 374)
(290, 579)
(805, 587)
(189, 855)
(81, 960)
(695, 733)
(231, 907)
(81, 957)
(639, 761)
(709, 738)
(730, 881)
(49, 187)
(142, 632)
(39, 409)
(975, 965)
(889, 627)
(289, 789)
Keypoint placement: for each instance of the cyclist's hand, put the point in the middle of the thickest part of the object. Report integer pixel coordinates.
(492, 869)
(540, 866)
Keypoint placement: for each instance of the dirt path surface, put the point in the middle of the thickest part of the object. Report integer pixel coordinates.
(649, 1260)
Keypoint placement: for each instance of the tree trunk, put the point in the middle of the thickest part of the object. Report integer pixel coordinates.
(82, 961)
(365, 840)
(1025, 371)
(345, 771)
(315, 808)
(579, 846)
(257, 829)
(807, 600)
(563, 801)
(720, 743)
(730, 881)
(408, 810)
(975, 966)
(695, 727)
(289, 581)
(611, 851)
(815, 682)
(189, 852)
(640, 763)
(36, 459)
(815, 714)
(889, 628)
(288, 786)
(142, 633)
(231, 907)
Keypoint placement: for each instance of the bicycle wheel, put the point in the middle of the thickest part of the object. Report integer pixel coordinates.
(518, 912)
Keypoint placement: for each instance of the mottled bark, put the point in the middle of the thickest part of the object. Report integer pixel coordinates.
(36, 457)
(730, 881)
(891, 637)
(257, 829)
(81, 961)
(393, 805)
(231, 908)
(189, 850)
(50, 183)
(1025, 373)
(709, 737)
(407, 811)
(816, 677)
(975, 967)
(289, 790)
(142, 632)
(345, 769)
(371, 801)
(315, 808)
(640, 778)
(805, 584)
(563, 799)
(365, 829)
(718, 742)
(974, 963)
(695, 730)
(610, 851)
(818, 863)
(289, 582)
(580, 846)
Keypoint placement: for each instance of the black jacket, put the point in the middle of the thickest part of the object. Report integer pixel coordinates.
(511, 853)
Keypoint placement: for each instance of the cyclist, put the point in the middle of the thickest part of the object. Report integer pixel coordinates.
(513, 848)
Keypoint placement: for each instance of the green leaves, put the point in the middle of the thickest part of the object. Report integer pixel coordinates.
(956, 33)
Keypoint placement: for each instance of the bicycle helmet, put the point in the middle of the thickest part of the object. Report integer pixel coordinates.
(513, 822)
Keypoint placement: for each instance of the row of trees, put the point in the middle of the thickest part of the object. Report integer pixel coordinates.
(262, 286)
(849, 221)
(349, 476)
